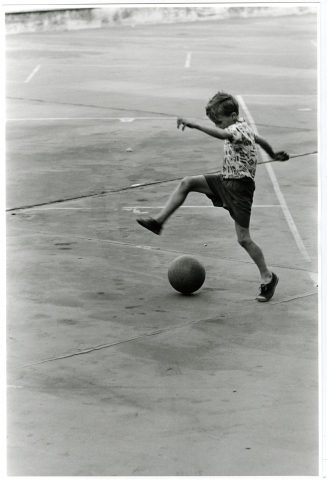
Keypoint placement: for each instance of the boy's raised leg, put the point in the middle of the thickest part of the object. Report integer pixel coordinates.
(177, 198)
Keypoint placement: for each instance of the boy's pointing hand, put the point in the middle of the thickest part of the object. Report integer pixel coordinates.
(183, 122)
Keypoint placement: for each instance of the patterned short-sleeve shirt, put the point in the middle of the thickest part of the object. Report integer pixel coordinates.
(240, 154)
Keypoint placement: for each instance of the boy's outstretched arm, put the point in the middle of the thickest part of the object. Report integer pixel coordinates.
(216, 133)
(279, 156)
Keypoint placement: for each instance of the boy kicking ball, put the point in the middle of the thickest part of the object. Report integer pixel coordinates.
(231, 189)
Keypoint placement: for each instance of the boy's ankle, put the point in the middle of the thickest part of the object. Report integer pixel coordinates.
(266, 278)
(267, 290)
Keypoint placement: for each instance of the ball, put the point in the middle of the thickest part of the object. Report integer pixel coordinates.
(186, 274)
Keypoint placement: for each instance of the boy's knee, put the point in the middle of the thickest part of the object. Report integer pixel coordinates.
(186, 183)
(245, 242)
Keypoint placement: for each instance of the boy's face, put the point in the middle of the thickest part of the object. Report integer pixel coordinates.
(224, 121)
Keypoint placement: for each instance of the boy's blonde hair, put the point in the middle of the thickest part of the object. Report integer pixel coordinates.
(221, 103)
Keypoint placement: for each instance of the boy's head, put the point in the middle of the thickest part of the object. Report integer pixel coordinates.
(222, 110)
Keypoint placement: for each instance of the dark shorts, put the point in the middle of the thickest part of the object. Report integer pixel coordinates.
(235, 195)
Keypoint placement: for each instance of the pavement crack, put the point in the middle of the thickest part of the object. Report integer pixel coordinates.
(106, 346)
(80, 104)
(294, 297)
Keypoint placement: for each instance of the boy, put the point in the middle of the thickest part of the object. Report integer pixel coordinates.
(234, 187)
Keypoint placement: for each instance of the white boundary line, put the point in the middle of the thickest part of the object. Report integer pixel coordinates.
(32, 74)
(188, 60)
(280, 95)
(121, 119)
(136, 207)
(279, 194)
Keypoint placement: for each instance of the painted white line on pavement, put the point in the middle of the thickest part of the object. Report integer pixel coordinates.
(280, 95)
(32, 74)
(131, 208)
(52, 208)
(188, 60)
(121, 119)
(279, 194)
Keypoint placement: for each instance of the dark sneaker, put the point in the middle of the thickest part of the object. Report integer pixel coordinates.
(267, 290)
(150, 224)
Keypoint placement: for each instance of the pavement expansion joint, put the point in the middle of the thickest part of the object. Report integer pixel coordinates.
(160, 331)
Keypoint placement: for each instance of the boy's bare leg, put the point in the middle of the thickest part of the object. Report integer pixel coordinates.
(255, 252)
(177, 198)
